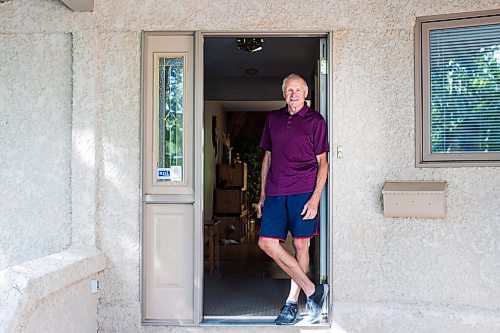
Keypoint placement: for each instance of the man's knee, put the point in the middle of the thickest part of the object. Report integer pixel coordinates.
(301, 245)
(268, 244)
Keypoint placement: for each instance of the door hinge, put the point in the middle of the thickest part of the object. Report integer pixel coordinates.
(324, 67)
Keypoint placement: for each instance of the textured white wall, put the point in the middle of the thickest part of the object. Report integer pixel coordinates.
(390, 275)
(69, 310)
(35, 145)
(119, 173)
(413, 259)
(44, 288)
(450, 263)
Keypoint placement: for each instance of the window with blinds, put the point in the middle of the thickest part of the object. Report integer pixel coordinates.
(458, 90)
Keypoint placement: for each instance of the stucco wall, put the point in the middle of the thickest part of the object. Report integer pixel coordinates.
(119, 192)
(75, 313)
(450, 263)
(51, 293)
(35, 144)
(390, 275)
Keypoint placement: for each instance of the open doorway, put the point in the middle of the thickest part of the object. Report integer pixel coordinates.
(241, 87)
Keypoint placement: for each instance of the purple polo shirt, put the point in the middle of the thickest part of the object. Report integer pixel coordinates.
(294, 142)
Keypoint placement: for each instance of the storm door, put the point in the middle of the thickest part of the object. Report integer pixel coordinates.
(170, 204)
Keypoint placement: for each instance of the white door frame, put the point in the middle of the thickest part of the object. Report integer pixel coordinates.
(199, 128)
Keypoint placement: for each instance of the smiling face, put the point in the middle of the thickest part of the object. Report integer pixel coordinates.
(295, 93)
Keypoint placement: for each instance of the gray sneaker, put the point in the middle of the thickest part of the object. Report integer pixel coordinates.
(288, 314)
(315, 303)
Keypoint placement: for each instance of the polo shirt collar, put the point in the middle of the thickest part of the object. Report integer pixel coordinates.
(302, 111)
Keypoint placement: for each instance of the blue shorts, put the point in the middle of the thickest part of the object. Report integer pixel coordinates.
(281, 214)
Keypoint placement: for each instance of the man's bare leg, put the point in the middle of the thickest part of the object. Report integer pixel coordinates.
(288, 263)
(301, 246)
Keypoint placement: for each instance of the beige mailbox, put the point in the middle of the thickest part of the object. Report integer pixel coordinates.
(423, 199)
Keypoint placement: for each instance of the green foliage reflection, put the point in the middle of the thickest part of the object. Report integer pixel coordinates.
(171, 112)
(465, 99)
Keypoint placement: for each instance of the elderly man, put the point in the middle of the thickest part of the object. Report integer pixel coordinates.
(294, 172)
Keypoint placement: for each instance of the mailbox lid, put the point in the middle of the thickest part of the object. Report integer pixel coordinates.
(414, 186)
(420, 199)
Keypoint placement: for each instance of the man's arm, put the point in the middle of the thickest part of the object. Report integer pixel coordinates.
(311, 207)
(266, 164)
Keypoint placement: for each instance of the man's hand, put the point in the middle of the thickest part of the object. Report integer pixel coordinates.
(310, 209)
(260, 205)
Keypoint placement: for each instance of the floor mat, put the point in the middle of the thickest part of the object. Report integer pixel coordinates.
(240, 296)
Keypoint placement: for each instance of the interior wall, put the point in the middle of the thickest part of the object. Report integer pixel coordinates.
(212, 109)
(245, 88)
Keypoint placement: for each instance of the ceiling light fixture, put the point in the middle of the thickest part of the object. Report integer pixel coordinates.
(250, 44)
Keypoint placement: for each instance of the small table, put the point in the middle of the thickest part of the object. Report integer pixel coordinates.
(212, 236)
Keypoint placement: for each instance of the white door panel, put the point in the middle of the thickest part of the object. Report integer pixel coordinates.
(168, 265)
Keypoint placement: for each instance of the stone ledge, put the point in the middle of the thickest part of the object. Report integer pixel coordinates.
(22, 286)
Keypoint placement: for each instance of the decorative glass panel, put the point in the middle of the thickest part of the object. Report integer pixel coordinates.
(465, 89)
(171, 107)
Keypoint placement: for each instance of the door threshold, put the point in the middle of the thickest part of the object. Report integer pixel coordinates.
(253, 321)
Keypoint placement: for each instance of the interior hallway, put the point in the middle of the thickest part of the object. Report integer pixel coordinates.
(247, 283)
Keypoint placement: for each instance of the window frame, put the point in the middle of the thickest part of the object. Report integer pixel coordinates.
(153, 49)
(156, 105)
(423, 26)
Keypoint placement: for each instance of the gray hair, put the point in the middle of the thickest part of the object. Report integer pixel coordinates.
(292, 76)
